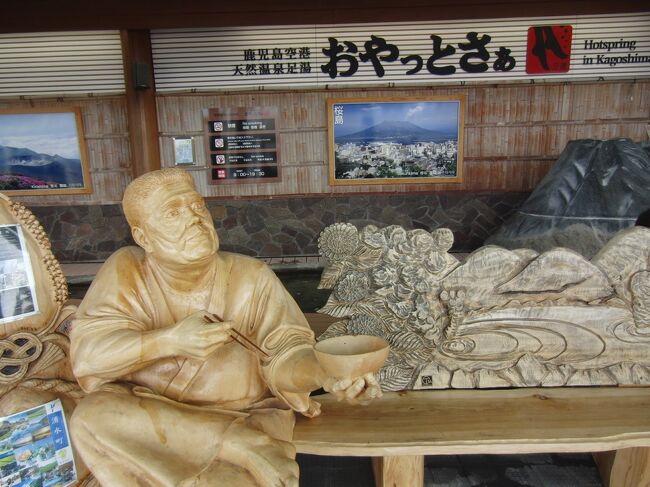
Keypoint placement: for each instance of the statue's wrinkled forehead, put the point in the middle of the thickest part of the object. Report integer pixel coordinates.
(170, 189)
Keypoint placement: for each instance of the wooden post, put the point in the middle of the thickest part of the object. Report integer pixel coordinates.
(604, 461)
(140, 101)
(399, 471)
(628, 467)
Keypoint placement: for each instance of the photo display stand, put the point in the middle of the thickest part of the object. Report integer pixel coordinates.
(17, 289)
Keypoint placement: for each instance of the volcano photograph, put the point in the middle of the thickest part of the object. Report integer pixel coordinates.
(42, 151)
(416, 141)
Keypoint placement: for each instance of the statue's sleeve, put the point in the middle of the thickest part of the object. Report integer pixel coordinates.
(282, 330)
(106, 335)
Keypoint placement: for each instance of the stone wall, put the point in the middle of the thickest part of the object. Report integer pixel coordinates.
(288, 226)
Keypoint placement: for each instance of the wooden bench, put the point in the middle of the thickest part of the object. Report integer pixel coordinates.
(398, 429)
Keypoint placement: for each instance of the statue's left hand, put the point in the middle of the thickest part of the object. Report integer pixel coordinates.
(358, 390)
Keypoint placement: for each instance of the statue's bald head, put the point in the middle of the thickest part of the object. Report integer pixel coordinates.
(139, 190)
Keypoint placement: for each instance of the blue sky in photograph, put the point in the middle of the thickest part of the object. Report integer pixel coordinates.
(433, 115)
(47, 133)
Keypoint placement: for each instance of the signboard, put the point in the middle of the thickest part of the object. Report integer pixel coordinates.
(35, 448)
(184, 150)
(242, 144)
(548, 49)
(341, 55)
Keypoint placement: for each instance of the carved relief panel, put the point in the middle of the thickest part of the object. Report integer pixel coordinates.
(500, 318)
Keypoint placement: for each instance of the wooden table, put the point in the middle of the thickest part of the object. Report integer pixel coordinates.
(400, 428)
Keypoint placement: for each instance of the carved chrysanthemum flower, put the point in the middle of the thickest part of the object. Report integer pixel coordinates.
(415, 277)
(402, 309)
(373, 237)
(384, 275)
(352, 287)
(435, 262)
(395, 235)
(364, 325)
(338, 241)
(424, 318)
(443, 239)
(418, 243)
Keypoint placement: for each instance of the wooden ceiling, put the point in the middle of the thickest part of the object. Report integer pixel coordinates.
(47, 15)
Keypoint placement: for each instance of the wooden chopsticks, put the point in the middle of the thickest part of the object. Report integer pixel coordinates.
(238, 337)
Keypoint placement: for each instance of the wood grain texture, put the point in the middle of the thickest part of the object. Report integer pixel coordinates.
(604, 461)
(400, 471)
(513, 132)
(140, 101)
(486, 422)
(501, 318)
(631, 468)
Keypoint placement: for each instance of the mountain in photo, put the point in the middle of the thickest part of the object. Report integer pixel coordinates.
(17, 161)
(398, 132)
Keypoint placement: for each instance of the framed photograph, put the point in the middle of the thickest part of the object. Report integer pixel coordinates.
(395, 140)
(184, 151)
(43, 151)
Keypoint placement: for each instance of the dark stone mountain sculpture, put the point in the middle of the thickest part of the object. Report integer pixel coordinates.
(596, 188)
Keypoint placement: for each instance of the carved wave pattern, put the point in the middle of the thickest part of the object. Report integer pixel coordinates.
(502, 318)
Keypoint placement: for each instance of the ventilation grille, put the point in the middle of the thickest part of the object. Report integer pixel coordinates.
(61, 63)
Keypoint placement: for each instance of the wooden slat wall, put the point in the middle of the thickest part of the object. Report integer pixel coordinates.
(57, 63)
(513, 132)
(107, 144)
(513, 135)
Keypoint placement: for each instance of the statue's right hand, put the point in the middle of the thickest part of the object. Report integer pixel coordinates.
(195, 337)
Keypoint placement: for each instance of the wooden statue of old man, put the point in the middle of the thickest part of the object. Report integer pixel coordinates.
(177, 395)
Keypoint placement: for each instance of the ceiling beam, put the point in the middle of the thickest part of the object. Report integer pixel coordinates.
(45, 15)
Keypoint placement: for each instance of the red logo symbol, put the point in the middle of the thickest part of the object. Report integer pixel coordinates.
(549, 49)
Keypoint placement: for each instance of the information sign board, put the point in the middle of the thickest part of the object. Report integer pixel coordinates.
(242, 144)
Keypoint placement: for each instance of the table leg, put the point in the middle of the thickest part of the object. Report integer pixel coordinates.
(628, 467)
(399, 471)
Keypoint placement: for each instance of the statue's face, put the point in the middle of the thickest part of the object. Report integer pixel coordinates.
(179, 228)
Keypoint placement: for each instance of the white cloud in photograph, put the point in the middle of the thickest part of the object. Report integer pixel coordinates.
(47, 133)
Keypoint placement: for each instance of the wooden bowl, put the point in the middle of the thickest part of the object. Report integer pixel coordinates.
(351, 356)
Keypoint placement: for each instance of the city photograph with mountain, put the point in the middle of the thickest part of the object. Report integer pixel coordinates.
(40, 151)
(405, 140)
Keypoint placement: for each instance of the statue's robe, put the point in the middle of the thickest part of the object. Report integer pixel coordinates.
(168, 427)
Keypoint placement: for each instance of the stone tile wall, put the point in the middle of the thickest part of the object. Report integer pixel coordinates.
(288, 226)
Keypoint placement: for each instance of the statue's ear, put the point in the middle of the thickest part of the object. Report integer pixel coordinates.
(141, 238)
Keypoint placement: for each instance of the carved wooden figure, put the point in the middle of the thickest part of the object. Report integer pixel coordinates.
(194, 359)
(501, 318)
